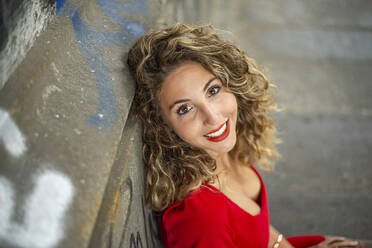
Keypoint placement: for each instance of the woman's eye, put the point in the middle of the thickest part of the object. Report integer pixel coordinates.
(183, 109)
(214, 90)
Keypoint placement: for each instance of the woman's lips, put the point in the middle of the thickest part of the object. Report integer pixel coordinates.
(216, 130)
(222, 136)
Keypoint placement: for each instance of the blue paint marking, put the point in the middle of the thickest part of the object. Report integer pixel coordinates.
(106, 109)
(59, 5)
(91, 40)
(113, 10)
(135, 7)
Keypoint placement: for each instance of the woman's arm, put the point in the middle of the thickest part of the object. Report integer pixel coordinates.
(334, 242)
(306, 240)
(273, 238)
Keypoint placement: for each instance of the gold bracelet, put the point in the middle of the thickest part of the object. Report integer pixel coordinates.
(278, 240)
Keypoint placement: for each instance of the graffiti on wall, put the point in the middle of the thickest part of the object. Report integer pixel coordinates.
(91, 40)
(11, 136)
(149, 236)
(43, 209)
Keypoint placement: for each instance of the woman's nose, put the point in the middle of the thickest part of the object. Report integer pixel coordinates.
(211, 116)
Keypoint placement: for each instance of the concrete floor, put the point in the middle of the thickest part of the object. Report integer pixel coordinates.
(319, 54)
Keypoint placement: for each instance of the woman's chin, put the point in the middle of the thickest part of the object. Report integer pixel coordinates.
(222, 150)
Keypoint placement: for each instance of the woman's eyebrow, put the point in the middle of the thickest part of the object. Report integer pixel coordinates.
(177, 102)
(186, 100)
(208, 83)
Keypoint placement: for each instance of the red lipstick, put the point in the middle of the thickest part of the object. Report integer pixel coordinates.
(222, 136)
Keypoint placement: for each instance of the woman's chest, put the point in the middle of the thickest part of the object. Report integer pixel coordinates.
(246, 202)
(249, 217)
(244, 192)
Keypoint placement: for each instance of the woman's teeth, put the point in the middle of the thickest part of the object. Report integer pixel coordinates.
(219, 132)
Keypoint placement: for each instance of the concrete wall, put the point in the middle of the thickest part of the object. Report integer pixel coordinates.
(319, 54)
(21, 21)
(71, 173)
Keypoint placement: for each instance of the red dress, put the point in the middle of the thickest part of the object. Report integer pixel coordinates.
(207, 218)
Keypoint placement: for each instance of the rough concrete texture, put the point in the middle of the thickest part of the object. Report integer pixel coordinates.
(62, 148)
(70, 167)
(319, 55)
(124, 220)
(21, 21)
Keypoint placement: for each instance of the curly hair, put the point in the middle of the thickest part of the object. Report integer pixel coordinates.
(174, 167)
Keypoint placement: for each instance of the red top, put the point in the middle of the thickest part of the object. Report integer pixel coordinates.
(208, 218)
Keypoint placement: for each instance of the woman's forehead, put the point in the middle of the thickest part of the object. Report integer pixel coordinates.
(189, 77)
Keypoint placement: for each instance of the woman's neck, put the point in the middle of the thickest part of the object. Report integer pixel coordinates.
(224, 163)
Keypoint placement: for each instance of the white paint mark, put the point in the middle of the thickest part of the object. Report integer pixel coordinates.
(77, 131)
(6, 203)
(56, 72)
(11, 135)
(44, 211)
(49, 90)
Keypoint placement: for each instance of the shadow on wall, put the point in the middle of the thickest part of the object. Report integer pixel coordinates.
(21, 21)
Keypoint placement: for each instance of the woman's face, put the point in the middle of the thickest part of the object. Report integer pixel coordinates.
(200, 110)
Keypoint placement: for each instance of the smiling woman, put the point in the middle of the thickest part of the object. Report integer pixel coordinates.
(200, 110)
(204, 106)
(156, 60)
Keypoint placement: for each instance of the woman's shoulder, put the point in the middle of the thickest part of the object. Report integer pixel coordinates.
(201, 218)
(203, 203)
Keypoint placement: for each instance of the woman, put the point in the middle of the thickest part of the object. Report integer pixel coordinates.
(204, 107)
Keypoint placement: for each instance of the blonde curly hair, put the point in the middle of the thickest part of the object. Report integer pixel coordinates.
(174, 167)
